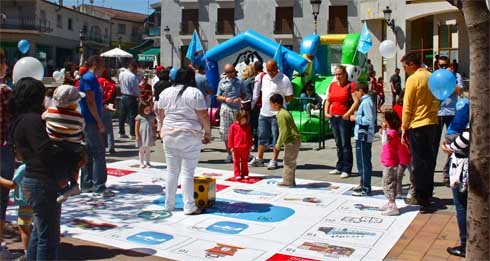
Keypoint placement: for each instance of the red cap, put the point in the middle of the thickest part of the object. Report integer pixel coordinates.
(160, 68)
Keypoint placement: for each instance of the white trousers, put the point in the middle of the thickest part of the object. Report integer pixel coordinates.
(182, 155)
(145, 153)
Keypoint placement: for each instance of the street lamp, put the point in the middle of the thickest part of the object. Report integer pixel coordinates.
(82, 38)
(166, 31)
(390, 22)
(315, 5)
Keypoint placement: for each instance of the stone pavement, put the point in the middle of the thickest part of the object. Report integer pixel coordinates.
(425, 239)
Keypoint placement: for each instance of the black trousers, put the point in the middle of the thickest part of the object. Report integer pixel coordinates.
(423, 160)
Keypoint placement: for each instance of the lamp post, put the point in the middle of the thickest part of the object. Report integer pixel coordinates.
(82, 38)
(315, 5)
(391, 23)
(166, 31)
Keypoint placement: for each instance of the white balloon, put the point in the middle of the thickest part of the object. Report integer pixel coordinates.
(387, 49)
(28, 67)
(57, 75)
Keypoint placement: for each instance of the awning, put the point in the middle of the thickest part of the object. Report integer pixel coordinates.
(148, 43)
(149, 55)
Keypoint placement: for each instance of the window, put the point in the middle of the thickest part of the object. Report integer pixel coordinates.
(448, 41)
(70, 24)
(190, 21)
(121, 28)
(106, 33)
(284, 20)
(421, 39)
(183, 60)
(337, 20)
(226, 21)
(59, 21)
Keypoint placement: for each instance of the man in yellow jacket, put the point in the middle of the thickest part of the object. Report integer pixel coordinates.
(419, 127)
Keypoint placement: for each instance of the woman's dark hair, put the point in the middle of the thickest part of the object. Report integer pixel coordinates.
(185, 76)
(392, 119)
(277, 99)
(28, 96)
(142, 106)
(164, 75)
(258, 67)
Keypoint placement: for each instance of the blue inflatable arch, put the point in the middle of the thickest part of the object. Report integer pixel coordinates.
(252, 39)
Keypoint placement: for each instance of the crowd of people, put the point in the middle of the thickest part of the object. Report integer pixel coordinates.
(53, 138)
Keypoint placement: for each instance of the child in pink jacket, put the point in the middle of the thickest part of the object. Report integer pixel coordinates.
(390, 158)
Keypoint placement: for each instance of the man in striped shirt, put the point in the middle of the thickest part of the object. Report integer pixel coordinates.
(65, 125)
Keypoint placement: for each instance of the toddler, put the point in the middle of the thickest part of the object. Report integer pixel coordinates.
(310, 100)
(145, 132)
(240, 142)
(64, 125)
(394, 157)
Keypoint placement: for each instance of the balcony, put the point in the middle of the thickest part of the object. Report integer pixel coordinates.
(188, 27)
(42, 26)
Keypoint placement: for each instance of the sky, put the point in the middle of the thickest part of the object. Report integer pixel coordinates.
(138, 6)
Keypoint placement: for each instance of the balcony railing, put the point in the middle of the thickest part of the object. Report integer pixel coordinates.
(43, 26)
(154, 31)
(281, 28)
(225, 28)
(187, 28)
(95, 38)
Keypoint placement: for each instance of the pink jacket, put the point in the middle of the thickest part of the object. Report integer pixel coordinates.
(393, 152)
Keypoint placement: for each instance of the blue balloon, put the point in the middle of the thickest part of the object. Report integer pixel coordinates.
(23, 46)
(442, 83)
(173, 73)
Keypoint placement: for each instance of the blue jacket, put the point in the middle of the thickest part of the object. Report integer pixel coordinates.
(460, 121)
(365, 118)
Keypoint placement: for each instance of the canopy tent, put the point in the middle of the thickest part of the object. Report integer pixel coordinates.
(149, 55)
(116, 52)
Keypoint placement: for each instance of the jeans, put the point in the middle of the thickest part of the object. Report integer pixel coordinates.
(460, 202)
(423, 160)
(45, 236)
(267, 127)
(109, 131)
(129, 108)
(364, 165)
(94, 173)
(443, 121)
(254, 123)
(7, 167)
(393, 99)
(342, 132)
(182, 155)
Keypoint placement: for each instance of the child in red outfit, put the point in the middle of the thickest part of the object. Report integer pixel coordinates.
(240, 142)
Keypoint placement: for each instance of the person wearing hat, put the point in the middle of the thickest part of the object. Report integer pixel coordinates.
(64, 125)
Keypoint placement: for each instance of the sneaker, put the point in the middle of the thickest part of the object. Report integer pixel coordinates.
(334, 172)
(142, 166)
(361, 193)
(196, 211)
(229, 159)
(238, 178)
(391, 211)
(123, 136)
(344, 175)
(245, 177)
(357, 188)
(256, 162)
(272, 165)
(411, 201)
(106, 193)
(132, 137)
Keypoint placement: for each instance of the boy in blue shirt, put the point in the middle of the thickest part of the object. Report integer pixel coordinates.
(364, 134)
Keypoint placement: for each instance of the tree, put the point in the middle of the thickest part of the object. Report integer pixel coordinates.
(476, 17)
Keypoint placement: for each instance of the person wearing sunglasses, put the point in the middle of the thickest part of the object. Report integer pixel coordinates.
(230, 89)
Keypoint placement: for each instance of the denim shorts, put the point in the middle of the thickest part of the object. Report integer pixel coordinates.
(267, 128)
